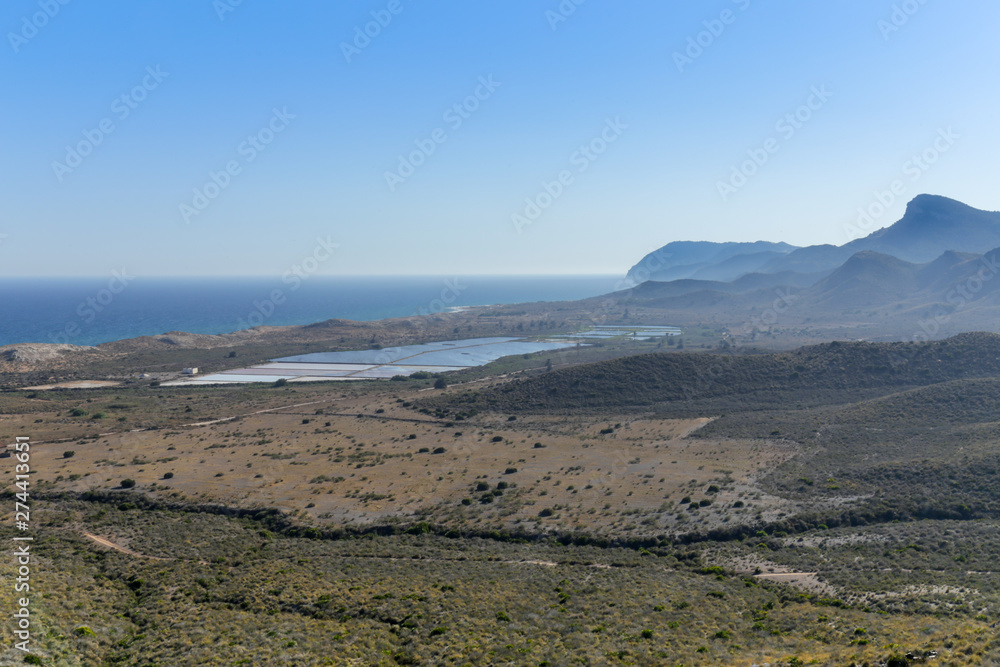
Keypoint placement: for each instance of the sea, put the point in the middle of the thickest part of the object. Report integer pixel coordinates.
(90, 311)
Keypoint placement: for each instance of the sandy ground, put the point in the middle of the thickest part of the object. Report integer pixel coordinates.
(76, 384)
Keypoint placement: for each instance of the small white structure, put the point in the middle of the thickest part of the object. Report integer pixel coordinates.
(189, 371)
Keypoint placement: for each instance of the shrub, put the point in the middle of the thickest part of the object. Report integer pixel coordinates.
(78, 412)
(440, 383)
(31, 659)
(128, 483)
(84, 631)
(168, 475)
(510, 471)
(68, 454)
(419, 528)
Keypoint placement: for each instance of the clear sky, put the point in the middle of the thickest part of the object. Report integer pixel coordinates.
(116, 114)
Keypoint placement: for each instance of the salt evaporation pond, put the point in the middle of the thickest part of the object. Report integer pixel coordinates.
(439, 357)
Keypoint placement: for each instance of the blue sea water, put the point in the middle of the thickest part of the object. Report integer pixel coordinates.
(89, 311)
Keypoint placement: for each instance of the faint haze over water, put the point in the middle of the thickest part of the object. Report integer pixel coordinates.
(90, 311)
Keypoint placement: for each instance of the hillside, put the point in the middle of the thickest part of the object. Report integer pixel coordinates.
(932, 224)
(842, 497)
(865, 279)
(684, 383)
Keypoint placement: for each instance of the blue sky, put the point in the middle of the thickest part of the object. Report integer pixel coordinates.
(210, 85)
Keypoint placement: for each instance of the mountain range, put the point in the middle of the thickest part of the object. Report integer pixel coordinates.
(931, 225)
(932, 273)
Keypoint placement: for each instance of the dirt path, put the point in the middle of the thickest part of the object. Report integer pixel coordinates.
(117, 547)
(97, 539)
(260, 412)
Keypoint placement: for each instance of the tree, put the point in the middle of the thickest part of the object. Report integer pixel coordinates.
(440, 383)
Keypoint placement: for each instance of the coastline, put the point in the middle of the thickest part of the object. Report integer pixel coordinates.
(88, 312)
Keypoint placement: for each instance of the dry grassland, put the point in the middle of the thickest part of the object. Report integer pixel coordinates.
(358, 460)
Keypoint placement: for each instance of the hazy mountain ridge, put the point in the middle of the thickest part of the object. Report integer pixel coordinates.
(931, 225)
(706, 260)
(872, 286)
